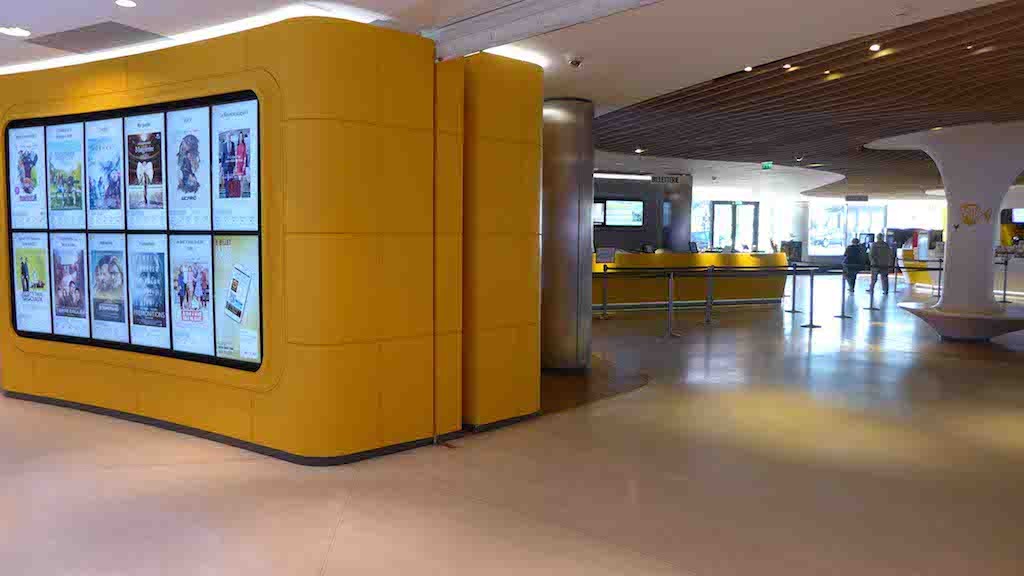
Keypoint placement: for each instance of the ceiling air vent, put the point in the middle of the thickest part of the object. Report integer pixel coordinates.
(94, 38)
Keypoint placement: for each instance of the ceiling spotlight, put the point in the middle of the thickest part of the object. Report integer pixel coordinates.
(786, 66)
(14, 31)
(815, 165)
(126, 3)
(970, 46)
(640, 150)
(875, 47)
(748, 69)
(937, 128)
(828, 72)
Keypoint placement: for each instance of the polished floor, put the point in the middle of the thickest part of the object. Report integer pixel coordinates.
(864, 447)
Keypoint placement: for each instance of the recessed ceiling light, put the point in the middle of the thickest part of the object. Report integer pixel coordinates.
(815, 165)
(937, 128)
(640, 150)
(14, 31)
(875, 47)
(970, 46)
(786, 66)
(126, 3)
(748, 69)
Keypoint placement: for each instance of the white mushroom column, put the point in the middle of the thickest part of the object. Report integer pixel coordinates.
(978, 164)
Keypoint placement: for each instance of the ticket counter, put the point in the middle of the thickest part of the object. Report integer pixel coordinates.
(626, 292)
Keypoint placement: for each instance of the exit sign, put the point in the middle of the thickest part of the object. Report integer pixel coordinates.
(767, 165)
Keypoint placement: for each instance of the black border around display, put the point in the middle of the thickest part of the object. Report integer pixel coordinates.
(162, 108)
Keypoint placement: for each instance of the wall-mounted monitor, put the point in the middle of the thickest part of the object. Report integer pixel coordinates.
(624, 213)
(139, 229)
(1017, 216)
(597, 213)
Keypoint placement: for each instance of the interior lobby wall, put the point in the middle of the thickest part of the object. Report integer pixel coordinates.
(501, 273)
(347, 258)
(630, 238)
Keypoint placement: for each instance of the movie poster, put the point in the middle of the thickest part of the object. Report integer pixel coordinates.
(147, 198)
(236, 172)
(236, 262)
(188, 173)
(104, 173)
(27, 183)
(147, 286)
(65, 164)
(31, 282)
(108, 286)
(70, 291)
(191, 294)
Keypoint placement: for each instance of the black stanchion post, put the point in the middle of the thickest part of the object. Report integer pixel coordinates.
(709, 294)
(871, 290)
(604, 294)
(1006, 271)
(842, 294)
(671, 305)
(792, 296)
(941, 268)
(810, 318)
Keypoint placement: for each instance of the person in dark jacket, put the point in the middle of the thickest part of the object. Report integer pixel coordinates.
(855, 259)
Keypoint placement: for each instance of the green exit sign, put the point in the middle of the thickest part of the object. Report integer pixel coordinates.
(767, 165)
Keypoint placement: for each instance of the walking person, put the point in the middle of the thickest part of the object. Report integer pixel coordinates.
(881, 261)
(855, 260)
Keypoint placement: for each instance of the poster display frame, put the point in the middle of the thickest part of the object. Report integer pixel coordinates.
(166, 232)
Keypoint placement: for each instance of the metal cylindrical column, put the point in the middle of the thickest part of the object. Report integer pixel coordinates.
(567, 233)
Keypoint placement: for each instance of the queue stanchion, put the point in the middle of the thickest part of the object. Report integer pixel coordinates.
(709, 294)
(604, 293)
(871, 291)
(810, 319)
(792, 295)
(941, 268)
(842, 294)
(671, 333)
(1006, 271)
(896, 276)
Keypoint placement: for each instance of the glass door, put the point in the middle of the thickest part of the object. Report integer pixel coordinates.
(735, 226)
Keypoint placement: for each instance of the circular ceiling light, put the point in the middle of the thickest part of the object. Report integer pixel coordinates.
(14, 31)
(937, 128)
(828, 72)
(970, 46)
(126, 3)
(748, 69)
(640, 150)
(786, 66)
(875, 47)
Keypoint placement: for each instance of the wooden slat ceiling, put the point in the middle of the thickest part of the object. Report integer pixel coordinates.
(958, 69)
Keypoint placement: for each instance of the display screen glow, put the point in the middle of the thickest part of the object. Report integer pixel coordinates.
(624, 213)
(1017, 216)
(597, 214)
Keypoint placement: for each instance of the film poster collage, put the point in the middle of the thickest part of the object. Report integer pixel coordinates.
(91, 203)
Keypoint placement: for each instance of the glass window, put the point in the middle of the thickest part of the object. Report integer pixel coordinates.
(700, 224)
(826, 235)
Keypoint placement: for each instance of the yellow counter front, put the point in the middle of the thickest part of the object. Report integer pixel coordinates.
(915, 271)
(625, 290)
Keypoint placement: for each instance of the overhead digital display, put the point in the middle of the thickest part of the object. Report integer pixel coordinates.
(147, 198)
(1017, 215)
(108, 287)
(236, 261)
(188, 173)
(139, 229)
(624, 213)
(65, 167)
(31, 274)
(27, 178)
(236, 190)
(104, 174)
(192, 306)
(70, 292)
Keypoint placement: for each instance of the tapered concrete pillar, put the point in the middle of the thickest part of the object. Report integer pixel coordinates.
(679, 193)
(567, 234)
(978, 164)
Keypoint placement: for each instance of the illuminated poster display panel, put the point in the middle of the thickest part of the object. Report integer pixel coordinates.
(104, 174)
(31, 276)
(188, 173)
(139, 229)
(236, 261)
(108, 287)
(624, 213)
(236, 191)
(192, 294)
(27, 179)
(597, 213)
(70, 292)
(65, 167)
(147, 198)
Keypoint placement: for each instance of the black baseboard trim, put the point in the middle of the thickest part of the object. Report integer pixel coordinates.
(230, 441)
(476, 429)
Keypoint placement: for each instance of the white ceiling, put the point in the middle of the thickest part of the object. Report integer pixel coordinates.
(741, 179)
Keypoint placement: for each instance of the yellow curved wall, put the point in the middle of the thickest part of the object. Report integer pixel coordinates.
(361, 301)
(502, 155)
(625, 290)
